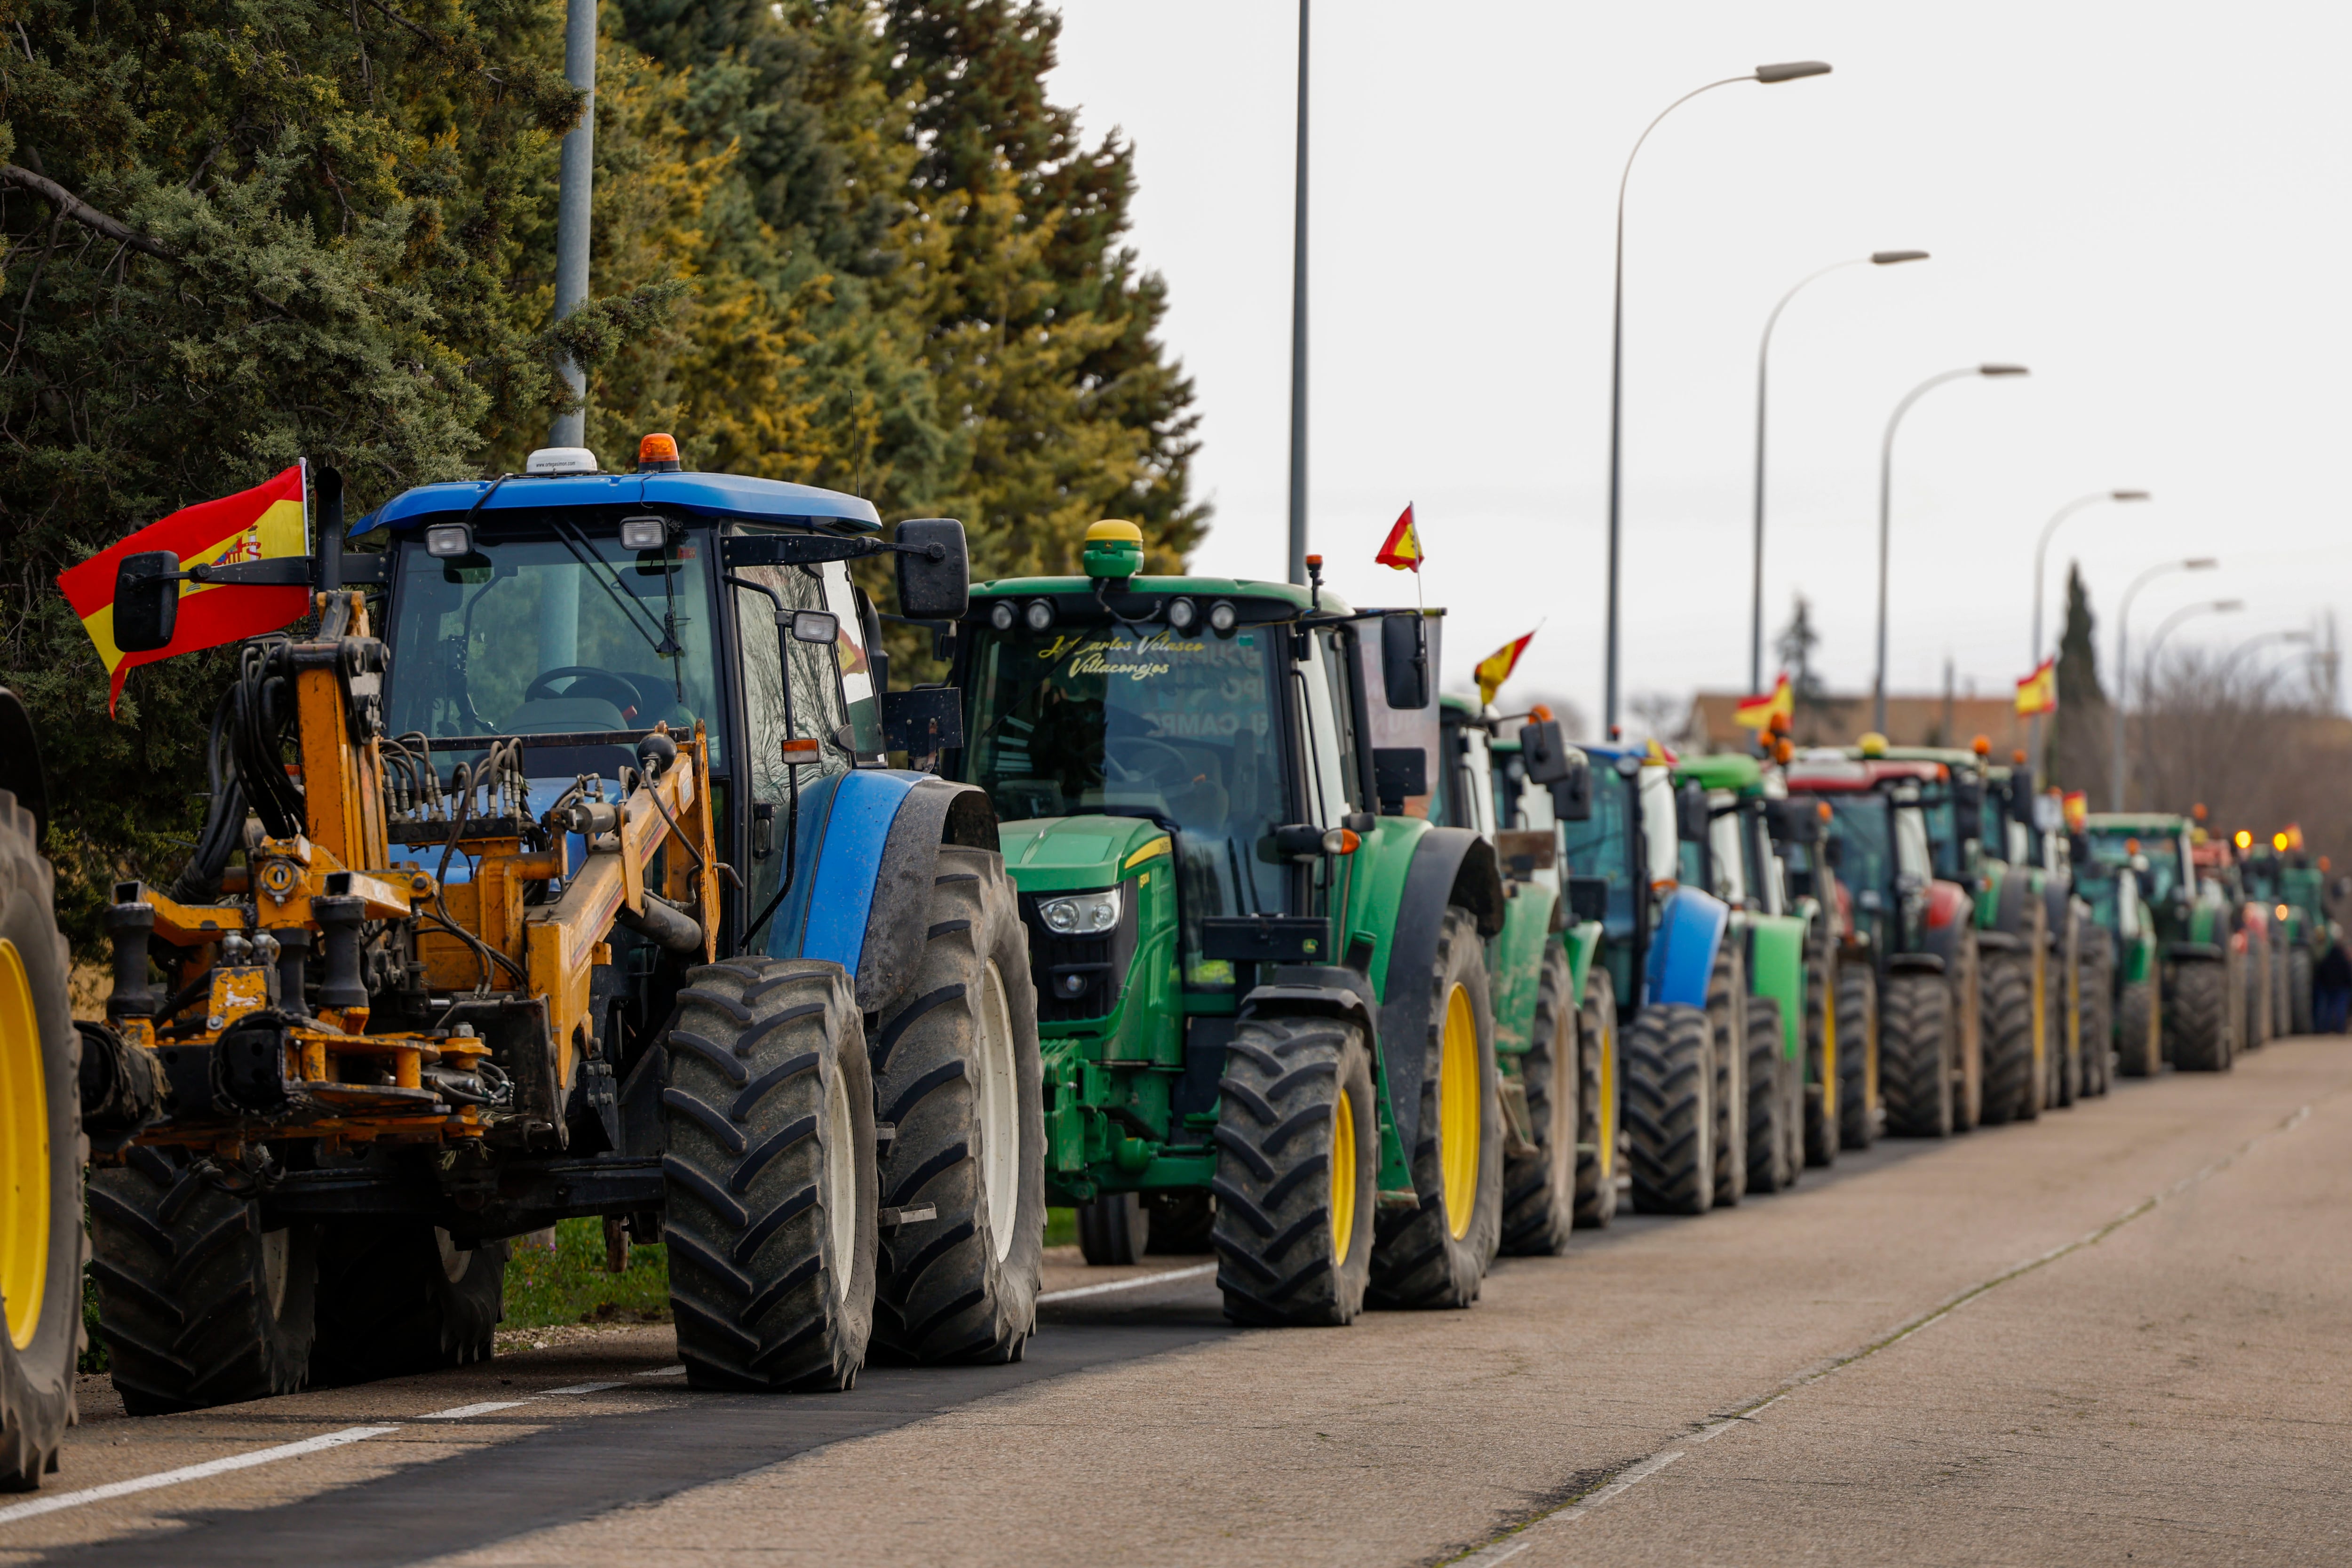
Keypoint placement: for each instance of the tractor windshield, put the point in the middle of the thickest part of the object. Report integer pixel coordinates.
(2113, 847)
(1863, 828)
(1090, 720)
(1602, 846)
(552, 629)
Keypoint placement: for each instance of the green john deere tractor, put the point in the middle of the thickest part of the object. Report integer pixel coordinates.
(2281, 877)
(1263, 989)
(2112, 873)
(2198, 951)
(1555, 1071)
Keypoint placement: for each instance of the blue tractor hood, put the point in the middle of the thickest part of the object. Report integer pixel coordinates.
(725, 497)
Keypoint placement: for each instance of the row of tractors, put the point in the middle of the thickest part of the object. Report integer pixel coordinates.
(555, 867)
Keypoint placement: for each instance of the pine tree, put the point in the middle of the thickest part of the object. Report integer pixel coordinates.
(1794, 645)
(2079, 744)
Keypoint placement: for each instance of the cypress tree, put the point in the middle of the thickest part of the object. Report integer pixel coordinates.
(2080, 735)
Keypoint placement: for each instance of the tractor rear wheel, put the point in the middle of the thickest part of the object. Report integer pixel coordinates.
(2256, 969)
(1775, 1101)
(1967, 1005)
(198, 1305)
(2298, 989)
(768, 1112)
(1298, 1154)
(41, 1238)
(958, 1076)
(1819, 1087)
(2012, 1090)
(1727, 1013)
(396, 1296)
(1540, 1189)
(2096, 1016)
(1915, 1055)
(1114, 1230)
(2200, 1032)
(1597, 1105)
(2138, 1053)
(1670, 1108)
(1436, 1254)
(1857, 1054)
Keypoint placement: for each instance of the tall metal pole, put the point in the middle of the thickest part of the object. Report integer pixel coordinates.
(1763, 366)
(1886, 493)
(572, 189)
(2041, 552)
(2123, 661)
(1298, 328)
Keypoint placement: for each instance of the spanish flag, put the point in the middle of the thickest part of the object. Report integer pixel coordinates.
(1496, 668)
(259, 524)
(2038, 693)
(1777, 710)
(1403, 549)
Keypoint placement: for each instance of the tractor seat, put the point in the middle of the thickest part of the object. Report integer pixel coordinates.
(564, 715)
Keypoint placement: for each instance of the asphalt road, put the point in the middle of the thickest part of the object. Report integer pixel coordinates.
(2117, 1335)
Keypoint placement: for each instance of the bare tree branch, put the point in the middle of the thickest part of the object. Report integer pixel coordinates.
(72, 207)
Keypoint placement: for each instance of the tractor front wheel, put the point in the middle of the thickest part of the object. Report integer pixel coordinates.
(1915, 1055)
(1540, 1189)
(2010, 1090)
(1775, 1106)
(1597, 1103)
(1298, 1154)
(2138, 1020)
(1821, 1086)
(2200, 1032)
(1857, 1055)
(2298, 989)
(2094, 1014)
(768, 1112)
(1670, 1108)
(1727, 1013)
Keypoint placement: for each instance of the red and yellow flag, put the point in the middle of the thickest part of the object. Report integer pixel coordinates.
(2038, 693)
(1496, 668)
(1776, 709)
(2076, 804)
(1403, 549)
(259, 524)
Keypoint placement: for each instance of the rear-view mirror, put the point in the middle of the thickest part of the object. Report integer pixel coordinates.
(146, 601)
(1404, 663)
(1543, 750)
(1571, 793)
(1690, 814)
(935, 573)
(1967, 808)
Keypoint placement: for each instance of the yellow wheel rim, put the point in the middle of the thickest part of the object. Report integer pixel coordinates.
(1457, 1111)
(1343, 1177)
(1604, 1121)
(24, 1153)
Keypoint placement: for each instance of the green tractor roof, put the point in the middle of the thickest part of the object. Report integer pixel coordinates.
(1289, 593)
(1721, 770)
(1454, 702)
(2135, 822)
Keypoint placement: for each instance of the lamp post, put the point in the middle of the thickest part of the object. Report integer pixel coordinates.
(1885, 490)
(2040, 551)
(1790, 70)
(2123, 658)
(1298, 327)
(1763, 365)
(575, 174)
(2188, 612)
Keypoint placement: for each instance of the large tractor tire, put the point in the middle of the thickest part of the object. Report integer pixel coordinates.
(2095, 1011)
(1540, 1189)
(1114, 1230)
(2062, 1018)
(1436, 1254)
(1775, 1103)
(1598, 1105)
(1821, 1065)
(958, 1077)
(771, 1190)
(2298, 989)
(1298, 1154)
(2201, 1022)
(40, 1164)
(1967, 1005)
(197, 1304)
(1726, 1013)
(1670, 1108)
(396, 1296)
(1857, 1055)
(2282, 1004)
(2138, 1022)
(1915, 1055)
(2256, 993)
(2012, 1091)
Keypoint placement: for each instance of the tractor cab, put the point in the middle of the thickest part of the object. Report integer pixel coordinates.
(2154, 851)
(1884, 829)
(1627, 855)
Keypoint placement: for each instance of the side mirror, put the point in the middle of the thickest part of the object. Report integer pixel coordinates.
(146, 601)
(1571, 793)
(1544, 751)
(1967, 807)
(1691, 814)
(1833, 851)
(1404, 663)
(815, 625)
(935, 576)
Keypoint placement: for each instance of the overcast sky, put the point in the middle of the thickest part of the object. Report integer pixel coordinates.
(2142, 202)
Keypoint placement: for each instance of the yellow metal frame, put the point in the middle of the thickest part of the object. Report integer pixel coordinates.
(335, 1062)
(24, 1153)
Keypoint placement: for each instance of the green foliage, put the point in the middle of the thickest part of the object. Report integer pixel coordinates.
(2079, 752)
(1061, 1227)
(569, 1285)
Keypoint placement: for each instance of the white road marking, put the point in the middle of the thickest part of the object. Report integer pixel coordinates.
(662, 1372)
(1193, 1273)
(190, 1472)
(582, 1388)
(464, 1412)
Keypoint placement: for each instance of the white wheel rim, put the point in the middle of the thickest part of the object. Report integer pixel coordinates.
(840, 1173)
(1000, 1113)
(454, 1262)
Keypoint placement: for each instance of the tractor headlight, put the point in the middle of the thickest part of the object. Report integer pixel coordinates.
(1183, 615)
(449, 539)
(1081, 914)
(1002, 615)
(1038, 615)
(1222, 617)
(642, 533)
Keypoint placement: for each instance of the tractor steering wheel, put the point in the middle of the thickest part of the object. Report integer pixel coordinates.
(1150, 761)
(587, 681)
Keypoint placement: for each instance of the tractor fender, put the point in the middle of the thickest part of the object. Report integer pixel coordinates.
(2013, 897)
(1776, 968)
(2193, 952)
(1317, 990)
(1683, 948)
(933, 813)
(1914, 963)
(1582, 940)
(1949, 906)
(1999, 941)
(1450, 866)
(1530, 926)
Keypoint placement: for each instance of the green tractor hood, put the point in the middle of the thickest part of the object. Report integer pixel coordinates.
(1065, 854)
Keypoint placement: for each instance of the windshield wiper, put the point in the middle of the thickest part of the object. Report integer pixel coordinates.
(665, 646)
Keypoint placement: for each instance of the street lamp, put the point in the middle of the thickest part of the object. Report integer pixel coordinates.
(2123, 658)
(1298, 325)
(2164, 628)
(1790, 70)
(1763, 364)
(2260, 640)
(2041, 549)
(1886, 490)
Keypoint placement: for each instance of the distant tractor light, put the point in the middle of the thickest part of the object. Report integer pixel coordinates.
(1037, 615)
(2244, 839)
(549, 461)
(1873, 744)
(657, 454)
(1081, 914)
(2283, 912)
(1222, 617)
(2278, 842)
(1184, 615)
(1002, 615)
(447, 541)
(644, 533)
